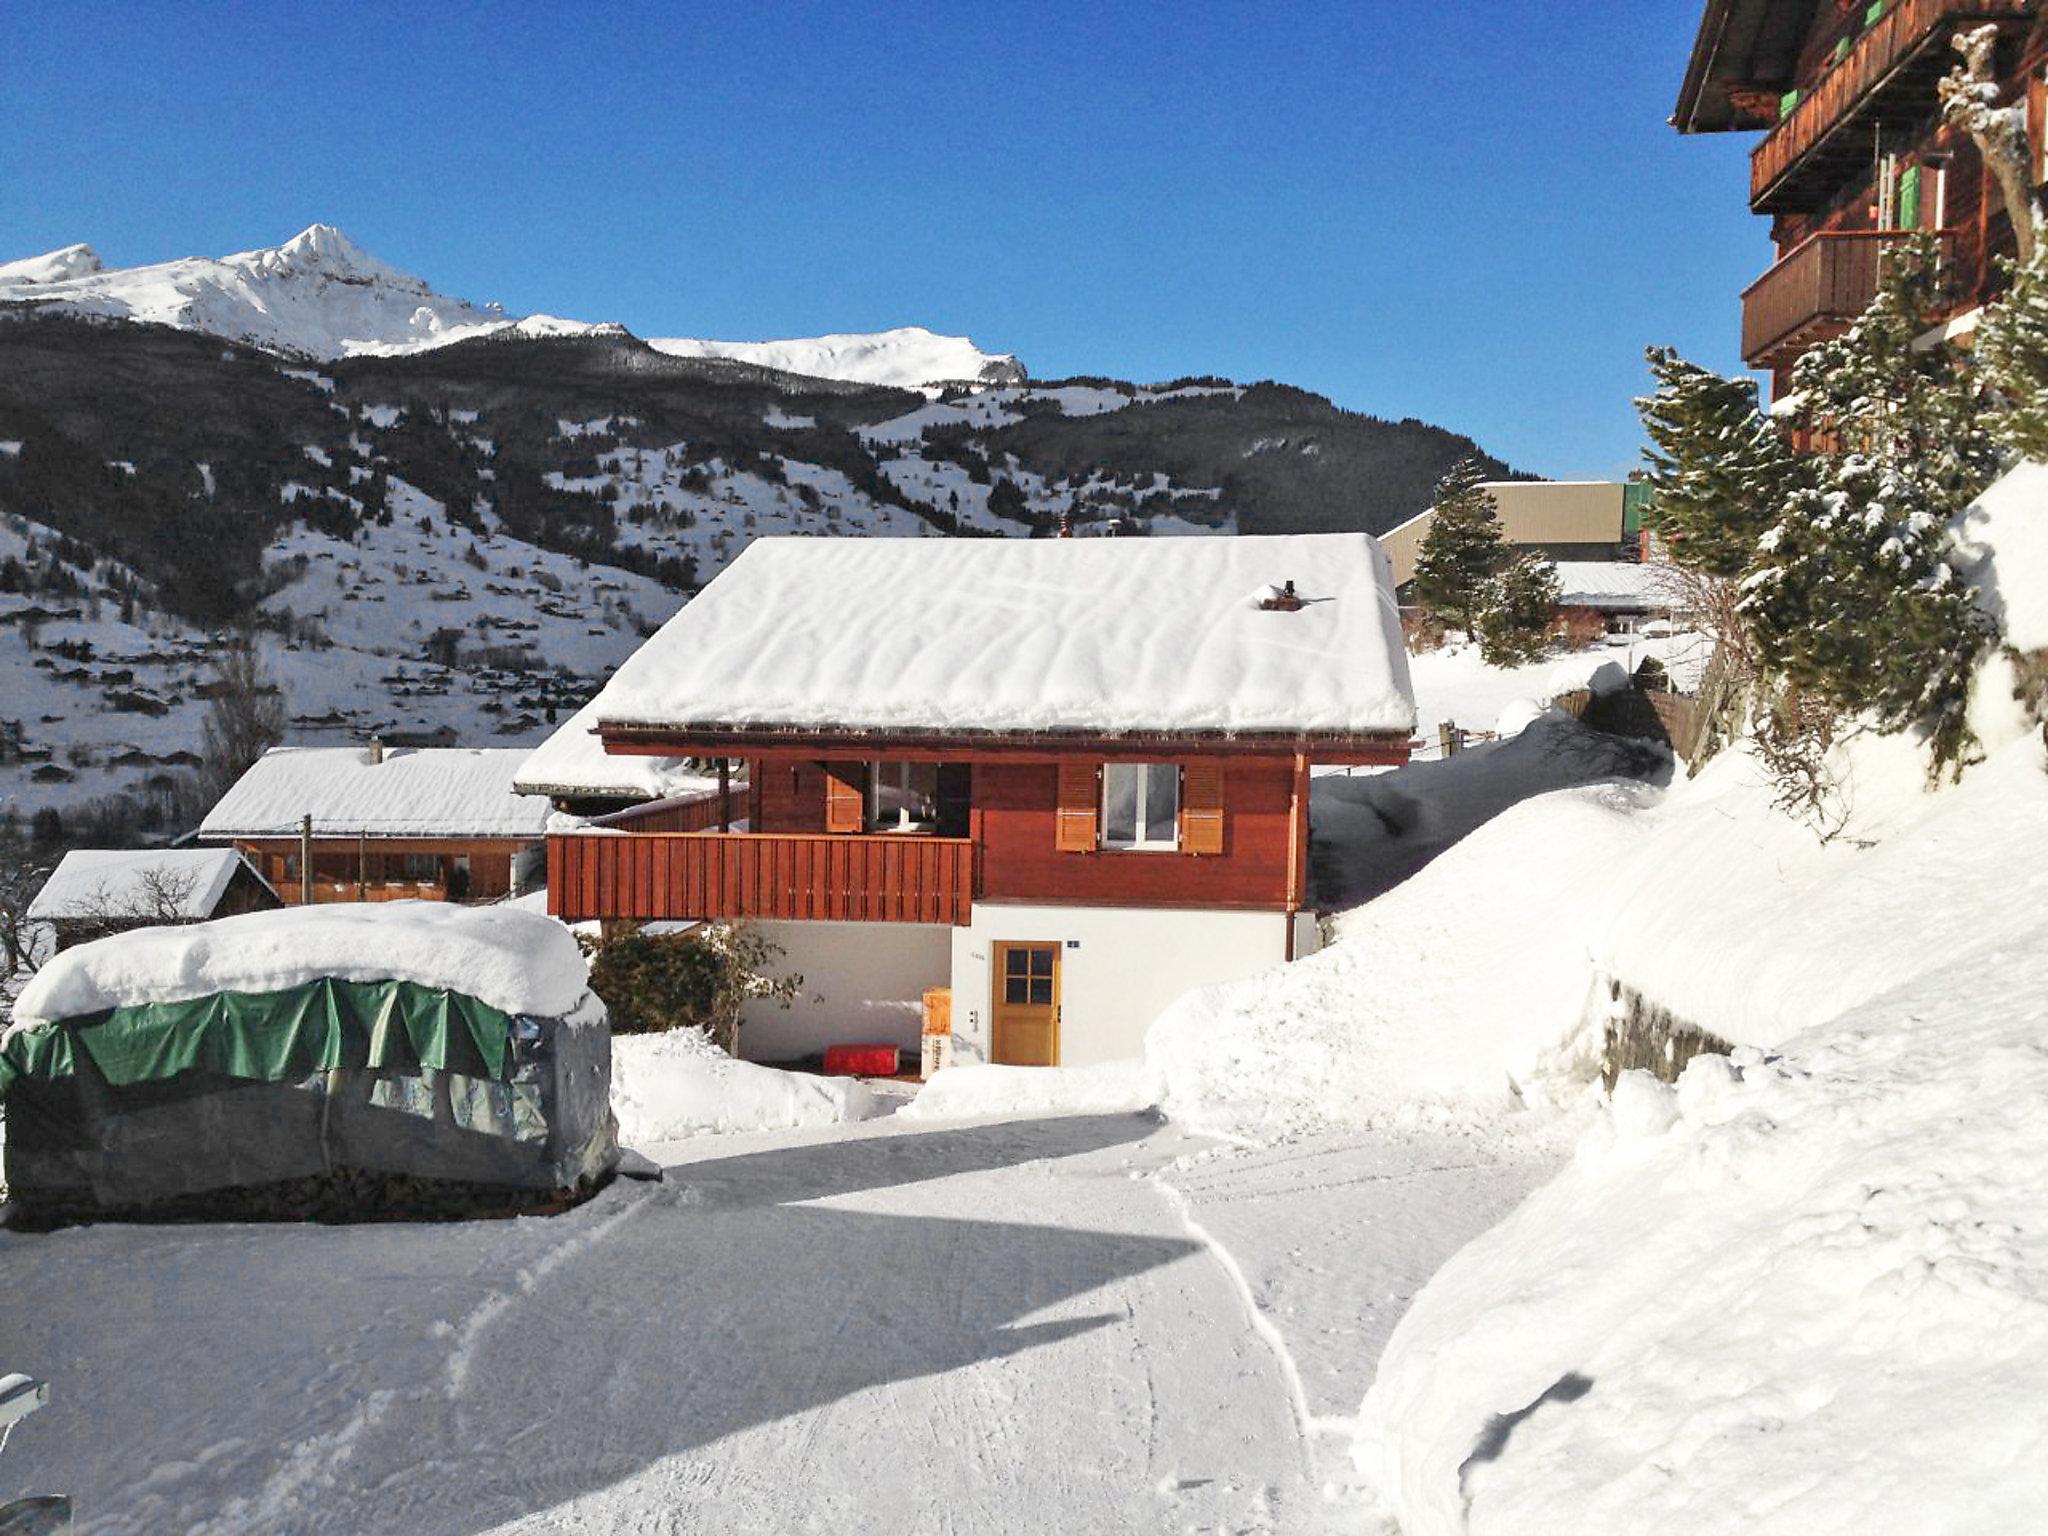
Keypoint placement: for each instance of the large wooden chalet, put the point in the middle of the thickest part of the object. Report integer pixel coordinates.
(1854, 154)
(1067, 779)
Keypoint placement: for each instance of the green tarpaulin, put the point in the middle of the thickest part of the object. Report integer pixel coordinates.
(271, 1037)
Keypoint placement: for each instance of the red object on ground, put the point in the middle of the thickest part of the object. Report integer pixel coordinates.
(860, 1060)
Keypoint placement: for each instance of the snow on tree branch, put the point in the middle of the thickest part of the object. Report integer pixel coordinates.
(1969, 100)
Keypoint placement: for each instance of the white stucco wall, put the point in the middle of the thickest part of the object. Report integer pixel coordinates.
(864, 984)
(1120, 967)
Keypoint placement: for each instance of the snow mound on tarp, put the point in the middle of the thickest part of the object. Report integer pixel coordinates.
(678, 1084)
(1800, 1295)
(979, 1090)
(1519, 715)
(520, 962)
(1447, 1001)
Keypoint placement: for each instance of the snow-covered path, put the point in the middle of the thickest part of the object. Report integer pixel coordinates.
(967, 1327)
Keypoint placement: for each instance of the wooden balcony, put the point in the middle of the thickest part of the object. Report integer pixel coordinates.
(1886, 80)
(1820, 286)
(348, 890)
(806, 877)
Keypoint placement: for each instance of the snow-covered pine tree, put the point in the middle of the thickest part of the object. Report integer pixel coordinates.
(1463, 548)
(1851, 596)
(2012, 354)
(1516, 608)
(1721, 469)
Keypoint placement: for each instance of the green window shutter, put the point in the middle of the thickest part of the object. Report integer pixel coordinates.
(1787, 102)
(1841, 49)
(1873, 11)
(1909, 197)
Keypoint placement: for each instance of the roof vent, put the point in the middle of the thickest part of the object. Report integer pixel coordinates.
(376, 750)
(1281, 599)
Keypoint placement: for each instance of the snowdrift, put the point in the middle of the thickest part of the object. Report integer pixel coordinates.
(678, 1084)
(1804, 1291)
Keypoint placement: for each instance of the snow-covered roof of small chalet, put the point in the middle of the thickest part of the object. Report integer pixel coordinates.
(413, 792)
(110, 882)
(573, 763)
(1616, 584)
(1021, 636)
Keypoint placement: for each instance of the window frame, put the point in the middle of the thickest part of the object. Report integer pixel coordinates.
(1139, 843)
(905, 765)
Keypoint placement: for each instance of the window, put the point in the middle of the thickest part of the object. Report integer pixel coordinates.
(1140, 805)
(422, 866)
(903, 795)
(1027, 976)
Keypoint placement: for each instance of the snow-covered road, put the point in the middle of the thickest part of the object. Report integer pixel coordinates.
(964, 1327)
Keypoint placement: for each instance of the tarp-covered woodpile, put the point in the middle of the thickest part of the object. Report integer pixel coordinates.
(331, 1062)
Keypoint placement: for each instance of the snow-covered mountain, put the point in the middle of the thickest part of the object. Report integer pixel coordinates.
(321, 296)
(907, 357)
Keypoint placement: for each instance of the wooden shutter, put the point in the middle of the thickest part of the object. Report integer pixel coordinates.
(1078, 812)
(845, 797)
(1909, 197)
(1201, 808)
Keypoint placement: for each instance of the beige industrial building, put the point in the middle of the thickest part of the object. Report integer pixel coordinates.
(1563, 519)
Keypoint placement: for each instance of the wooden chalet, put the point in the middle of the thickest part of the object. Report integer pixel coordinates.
(1065, 779)
(384, 823)
(1854, 155)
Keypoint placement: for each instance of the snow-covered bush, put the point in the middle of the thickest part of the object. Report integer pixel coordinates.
(652, 982)
(1515, 610)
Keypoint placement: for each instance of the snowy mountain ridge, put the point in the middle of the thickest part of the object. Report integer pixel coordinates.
(322, 296)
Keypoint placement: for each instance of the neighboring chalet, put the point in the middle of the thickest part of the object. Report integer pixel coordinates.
(1854, 155)
(1065, 778)
(97, 891)
(1563, 519)
(1625, 594)
(388, 823)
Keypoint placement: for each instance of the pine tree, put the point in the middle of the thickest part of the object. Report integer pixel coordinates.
(2012, 352)
(1463, 548)
(1516, 610)
(1852, 597)
(1721, 469)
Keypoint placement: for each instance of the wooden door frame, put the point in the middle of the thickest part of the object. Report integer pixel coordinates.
(998, 952)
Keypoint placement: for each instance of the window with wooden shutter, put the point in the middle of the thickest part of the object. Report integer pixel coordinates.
(1909, 197)
(1201, 808)
(1074, 818)
(845, 797)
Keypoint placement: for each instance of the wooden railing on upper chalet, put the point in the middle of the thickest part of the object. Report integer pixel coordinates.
(1873, 58)
(884, 878)
(1822, 283)
(325, 889)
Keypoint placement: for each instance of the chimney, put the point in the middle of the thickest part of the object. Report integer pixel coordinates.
(1066, 527)
(376, 750)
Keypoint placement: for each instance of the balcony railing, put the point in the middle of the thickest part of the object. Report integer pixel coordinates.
(291, 891)
(1820, 286)
(1888, 73)
(862, 879)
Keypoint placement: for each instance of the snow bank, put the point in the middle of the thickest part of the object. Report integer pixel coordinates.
(959, 1092)
(1452, 999)
(2004, 535)
(678, 1084)
(1801, 1294)
(517, 961)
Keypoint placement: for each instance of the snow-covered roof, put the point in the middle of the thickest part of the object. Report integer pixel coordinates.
(520, 962)
(413, 792)
(574, 764)
(104, 882)
(1616, 584)
(1022, 636)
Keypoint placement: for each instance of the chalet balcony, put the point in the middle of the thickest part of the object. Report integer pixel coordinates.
(1886, 79)
(831, 877)
(1818, 288)
(292, 892)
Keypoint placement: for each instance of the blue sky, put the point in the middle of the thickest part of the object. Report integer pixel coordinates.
(1470, 211)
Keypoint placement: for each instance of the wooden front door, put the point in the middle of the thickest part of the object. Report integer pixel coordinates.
(1027, 1005)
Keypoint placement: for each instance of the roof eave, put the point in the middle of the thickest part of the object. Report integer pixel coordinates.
(720, 738)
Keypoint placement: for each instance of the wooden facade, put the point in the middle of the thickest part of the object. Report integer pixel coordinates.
(1009, 825)
(1855, 156)
(389, 868)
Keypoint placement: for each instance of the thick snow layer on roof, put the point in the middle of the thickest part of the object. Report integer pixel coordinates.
(573, 763)
(413, 792)
(1113, 635)
(1616, 584)
(99, 882)
(518, 961)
